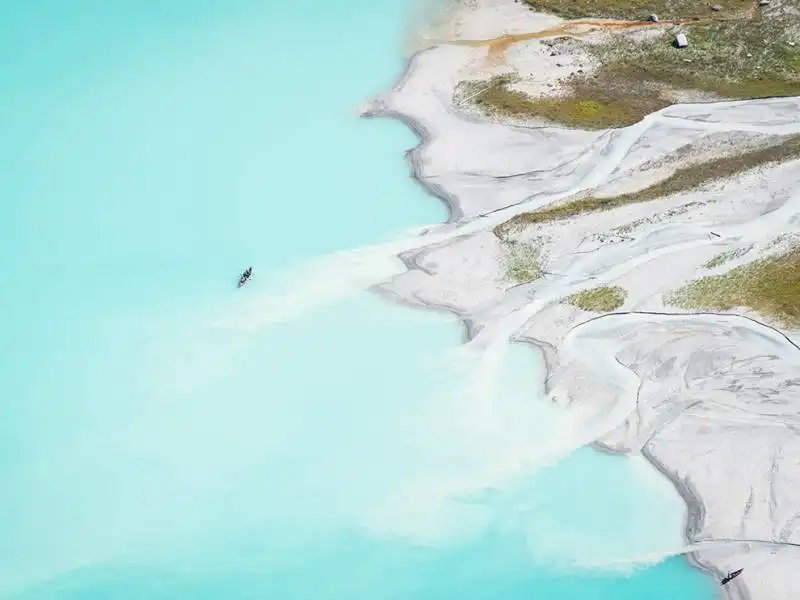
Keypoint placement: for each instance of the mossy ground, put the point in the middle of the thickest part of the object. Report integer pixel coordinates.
(523, 262)
(683, 179)
(634, 9)
(733, 59)
(769, 287)
(600, 299)
(600, 110)
(722, 258)
(734, 56)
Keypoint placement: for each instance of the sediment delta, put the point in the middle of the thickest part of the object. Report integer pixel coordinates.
(552, 227)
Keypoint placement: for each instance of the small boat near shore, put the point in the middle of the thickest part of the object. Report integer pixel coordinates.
(730, 576)
(245, 276)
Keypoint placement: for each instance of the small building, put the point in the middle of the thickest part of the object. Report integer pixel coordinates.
(763, 2)
(654, 18)
(681, 41)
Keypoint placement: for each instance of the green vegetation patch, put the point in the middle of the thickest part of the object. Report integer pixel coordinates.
(721, 259)
(587, 105)
(683, 179)
(635, 9)
(523, 262)
(737, 58)
(769, 286)
(600, 299)
(734, 59)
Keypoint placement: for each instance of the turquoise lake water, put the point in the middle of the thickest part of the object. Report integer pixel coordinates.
(154, 447)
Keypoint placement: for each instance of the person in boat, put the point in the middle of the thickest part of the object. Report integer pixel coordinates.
(245, 276)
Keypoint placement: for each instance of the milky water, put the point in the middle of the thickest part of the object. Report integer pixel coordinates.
(154, 446)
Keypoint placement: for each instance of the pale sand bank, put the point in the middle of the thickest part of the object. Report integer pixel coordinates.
(710, 400)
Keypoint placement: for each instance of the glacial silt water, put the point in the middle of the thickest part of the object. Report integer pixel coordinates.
(157, 441)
